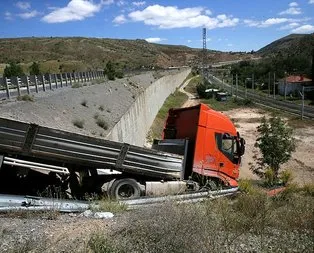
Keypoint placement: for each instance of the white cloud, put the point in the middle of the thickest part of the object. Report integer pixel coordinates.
(154, 40)
(167, 17)
(230, 45)
(75, 10)
(304, 29)
(273, 21)
(266, 23)
(23, 5)
(119, 19)
(8, 15)
(189, 41)
(251, 23)
(311, 1)
(289, 26)
(138, 4)
(208, 12)
(293, 4)
(291, 11)
(28, 15)
(121, 3)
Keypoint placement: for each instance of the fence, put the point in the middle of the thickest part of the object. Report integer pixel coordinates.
(18, 86)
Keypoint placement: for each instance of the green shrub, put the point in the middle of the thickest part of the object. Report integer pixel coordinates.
(78, 123)
(285, 177)
(270, 177)
(246, 186)
(102, 123)
(26, 98)
(98, 243)
(77, 85)
(119, 74)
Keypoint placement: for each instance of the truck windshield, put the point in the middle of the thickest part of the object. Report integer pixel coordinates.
(226, 143)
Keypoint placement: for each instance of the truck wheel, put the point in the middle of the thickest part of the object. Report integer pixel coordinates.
(125, 188)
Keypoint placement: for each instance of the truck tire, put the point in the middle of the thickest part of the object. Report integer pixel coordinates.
(125, 188)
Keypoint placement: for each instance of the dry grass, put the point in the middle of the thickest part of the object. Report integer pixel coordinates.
(252, 222)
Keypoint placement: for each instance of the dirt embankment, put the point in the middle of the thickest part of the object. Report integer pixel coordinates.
(61, 108)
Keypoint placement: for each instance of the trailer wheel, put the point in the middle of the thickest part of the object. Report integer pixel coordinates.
(125, 188)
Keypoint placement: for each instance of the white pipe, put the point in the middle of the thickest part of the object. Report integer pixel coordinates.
(33, 165)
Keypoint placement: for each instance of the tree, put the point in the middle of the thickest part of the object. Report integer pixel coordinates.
(276, 144)
(13, 69)
(110, 71)
(34, 69)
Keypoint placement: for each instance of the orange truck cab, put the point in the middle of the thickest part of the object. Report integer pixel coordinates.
(214, 145)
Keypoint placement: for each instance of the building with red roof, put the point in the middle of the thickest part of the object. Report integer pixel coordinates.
(292, 85)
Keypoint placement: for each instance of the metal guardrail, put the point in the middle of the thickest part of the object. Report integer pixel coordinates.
(9, 203)
(18, 86)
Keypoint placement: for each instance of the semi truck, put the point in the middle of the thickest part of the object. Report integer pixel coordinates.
(199, 149)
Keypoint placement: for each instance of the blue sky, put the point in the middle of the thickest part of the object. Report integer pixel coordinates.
(232, 25)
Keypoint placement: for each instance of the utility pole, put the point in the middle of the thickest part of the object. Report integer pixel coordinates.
(285, 83)
(232, 84)
(269, 84)
(302, 107)
(274, 91)
(204, 54)
(253, 81)
(236, 86)
(246, 88)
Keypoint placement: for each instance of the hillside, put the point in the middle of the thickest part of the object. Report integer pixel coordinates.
(293, 44)
(78, 53)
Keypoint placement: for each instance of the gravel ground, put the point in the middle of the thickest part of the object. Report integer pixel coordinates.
(48, 232)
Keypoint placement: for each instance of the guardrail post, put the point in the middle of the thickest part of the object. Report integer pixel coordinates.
(27, 84)
(36, 83)
(56, 80)
(66, 79)
(43, 82)
(18, 85)
(50, 84)
(71, 82)
(7, 87)
(61, 83)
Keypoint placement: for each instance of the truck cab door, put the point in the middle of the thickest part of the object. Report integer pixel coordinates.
(226, 161)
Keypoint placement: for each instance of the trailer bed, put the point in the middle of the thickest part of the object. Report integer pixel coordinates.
(61, 147)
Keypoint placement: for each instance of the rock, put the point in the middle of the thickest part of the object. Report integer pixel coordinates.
(103, 215)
